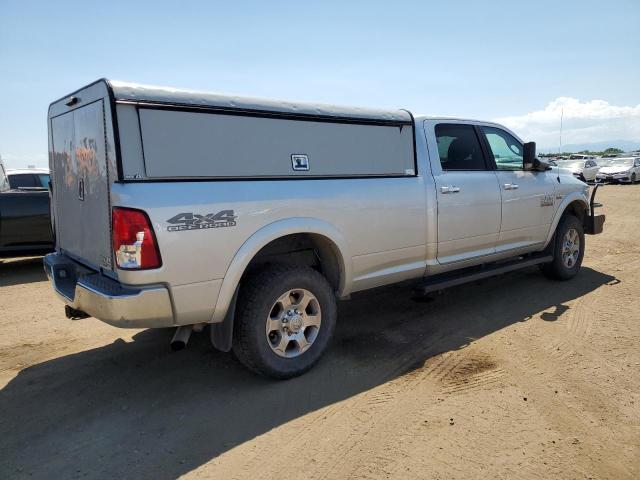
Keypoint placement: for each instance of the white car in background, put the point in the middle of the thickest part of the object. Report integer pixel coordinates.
(584, 169)
(620, 169)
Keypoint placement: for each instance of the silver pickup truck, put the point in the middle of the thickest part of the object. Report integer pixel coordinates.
(179, 209)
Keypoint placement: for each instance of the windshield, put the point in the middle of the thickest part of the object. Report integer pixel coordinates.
(570, 164)
(618, 162)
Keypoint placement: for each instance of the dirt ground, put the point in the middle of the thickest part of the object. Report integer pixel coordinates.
(512, 377)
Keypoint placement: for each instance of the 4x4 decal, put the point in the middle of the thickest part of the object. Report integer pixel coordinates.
(193, 221)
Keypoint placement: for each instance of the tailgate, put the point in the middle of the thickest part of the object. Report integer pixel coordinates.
(80, 184)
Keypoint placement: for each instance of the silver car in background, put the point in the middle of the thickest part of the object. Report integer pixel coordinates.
(583, 169)
(621, 169)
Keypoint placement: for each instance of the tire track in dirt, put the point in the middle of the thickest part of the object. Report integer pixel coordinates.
(381, 402)
(403, 424)
(451, 368)
(352, 421)
(20, 357)
(572, 413)
(445, 374)
(451, 372)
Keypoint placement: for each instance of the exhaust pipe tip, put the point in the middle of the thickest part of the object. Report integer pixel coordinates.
(73, 314)
(178, 345)
(181, 337)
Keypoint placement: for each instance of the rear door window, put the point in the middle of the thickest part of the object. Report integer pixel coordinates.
(459, 147)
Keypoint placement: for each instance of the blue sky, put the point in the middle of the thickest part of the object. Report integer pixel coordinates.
(489, 60)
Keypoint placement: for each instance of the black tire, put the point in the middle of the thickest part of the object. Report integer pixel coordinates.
(255, 303)
(557, 269)
(633, 178)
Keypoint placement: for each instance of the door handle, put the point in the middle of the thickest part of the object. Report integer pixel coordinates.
(510, 186)
(450, 189)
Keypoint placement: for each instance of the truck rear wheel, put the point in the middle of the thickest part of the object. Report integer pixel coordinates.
(284, 320)
(567, 249)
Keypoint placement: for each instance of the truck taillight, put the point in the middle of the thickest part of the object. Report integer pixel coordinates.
(134, 243)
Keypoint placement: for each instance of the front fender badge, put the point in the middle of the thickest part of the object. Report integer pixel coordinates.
(546, 201)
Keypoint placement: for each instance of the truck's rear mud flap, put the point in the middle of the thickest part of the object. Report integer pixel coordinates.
(222, 333)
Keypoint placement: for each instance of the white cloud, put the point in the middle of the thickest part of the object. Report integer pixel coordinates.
(583, 122)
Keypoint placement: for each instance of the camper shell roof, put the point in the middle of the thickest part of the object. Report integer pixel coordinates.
(123, 92)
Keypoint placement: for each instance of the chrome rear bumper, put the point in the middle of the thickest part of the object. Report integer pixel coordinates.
(106, 299)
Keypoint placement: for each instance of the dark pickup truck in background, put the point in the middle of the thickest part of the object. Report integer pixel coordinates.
(25, 218)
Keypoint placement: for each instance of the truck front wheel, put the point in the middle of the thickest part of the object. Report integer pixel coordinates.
(567, 249)
(285, 318)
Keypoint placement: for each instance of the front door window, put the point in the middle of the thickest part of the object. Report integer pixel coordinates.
(506, 150)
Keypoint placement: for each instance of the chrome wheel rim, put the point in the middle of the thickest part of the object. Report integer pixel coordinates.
(293, 323)
(570, 248)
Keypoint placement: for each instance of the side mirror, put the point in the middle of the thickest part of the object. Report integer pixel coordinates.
(529, 160)
(529, 155)
(540, 165)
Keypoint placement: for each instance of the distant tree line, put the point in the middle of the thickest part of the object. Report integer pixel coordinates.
(610, 150)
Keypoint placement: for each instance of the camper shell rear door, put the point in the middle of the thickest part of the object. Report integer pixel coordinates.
(82, 158)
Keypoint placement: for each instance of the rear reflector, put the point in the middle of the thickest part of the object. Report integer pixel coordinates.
(134, 243)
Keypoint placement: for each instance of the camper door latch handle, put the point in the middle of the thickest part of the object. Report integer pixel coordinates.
(81, 189)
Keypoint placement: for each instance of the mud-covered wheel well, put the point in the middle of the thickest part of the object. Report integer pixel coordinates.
(303, 249)
(577, 209)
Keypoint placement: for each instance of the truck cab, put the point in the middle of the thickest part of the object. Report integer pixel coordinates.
(490, 205)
